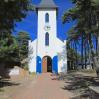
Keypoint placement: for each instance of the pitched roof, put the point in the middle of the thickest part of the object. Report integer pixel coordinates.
(47, 4)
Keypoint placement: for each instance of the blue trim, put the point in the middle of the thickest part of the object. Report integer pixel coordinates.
(55, 64)
(38, 65)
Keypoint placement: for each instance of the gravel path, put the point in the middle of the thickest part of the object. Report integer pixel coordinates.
(45, 86)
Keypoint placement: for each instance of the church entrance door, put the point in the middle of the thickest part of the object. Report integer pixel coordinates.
(46, 64)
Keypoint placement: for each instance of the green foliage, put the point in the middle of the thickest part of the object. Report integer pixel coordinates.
(25, 66)
(9, 50)
(85, 13)
(14, 49)
(12, 11)
(22, 39)
(70, 15)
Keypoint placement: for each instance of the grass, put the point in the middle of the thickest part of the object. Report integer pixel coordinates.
(88, 71)
(1, 90)
(32, 74)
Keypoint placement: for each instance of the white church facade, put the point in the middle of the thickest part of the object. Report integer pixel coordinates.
(47, 53)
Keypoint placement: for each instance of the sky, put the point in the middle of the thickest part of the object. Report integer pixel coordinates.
(29, 24)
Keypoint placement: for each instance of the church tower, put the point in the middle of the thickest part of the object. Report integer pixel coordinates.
(46, 52)
(47, 30)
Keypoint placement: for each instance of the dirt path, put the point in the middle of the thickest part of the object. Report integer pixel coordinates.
(45, 86)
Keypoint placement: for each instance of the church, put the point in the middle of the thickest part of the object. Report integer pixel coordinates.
(47, 53)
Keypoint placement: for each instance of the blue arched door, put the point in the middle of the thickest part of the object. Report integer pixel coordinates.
(55, 64)
(38, 65)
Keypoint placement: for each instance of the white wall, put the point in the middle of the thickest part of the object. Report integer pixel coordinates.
(32, 56)
(50, 50)
(62, 58)
(56, 47)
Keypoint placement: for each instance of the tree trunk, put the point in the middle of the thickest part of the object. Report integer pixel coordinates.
(95, 58)
(85, 58)
(82, 52)
(76, 55)
(98, 46)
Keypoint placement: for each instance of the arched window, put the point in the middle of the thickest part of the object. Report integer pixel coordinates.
(47, 39)
(47, 18)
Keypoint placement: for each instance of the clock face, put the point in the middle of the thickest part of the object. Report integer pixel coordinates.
(47, 28)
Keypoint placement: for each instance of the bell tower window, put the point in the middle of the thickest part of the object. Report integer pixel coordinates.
(47, 39)
(47, 18)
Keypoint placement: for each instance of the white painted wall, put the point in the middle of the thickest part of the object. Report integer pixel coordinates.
(62, 57)
(50, 50)
(56, 46)
(32, 56)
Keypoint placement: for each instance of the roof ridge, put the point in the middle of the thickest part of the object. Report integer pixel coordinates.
(47, 4)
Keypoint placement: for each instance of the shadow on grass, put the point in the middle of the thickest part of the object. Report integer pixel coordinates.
(78, 84)
(6, 82)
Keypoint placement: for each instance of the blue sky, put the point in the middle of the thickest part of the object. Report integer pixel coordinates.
(29, 24)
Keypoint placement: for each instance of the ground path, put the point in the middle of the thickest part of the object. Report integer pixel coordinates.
(45, 86)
